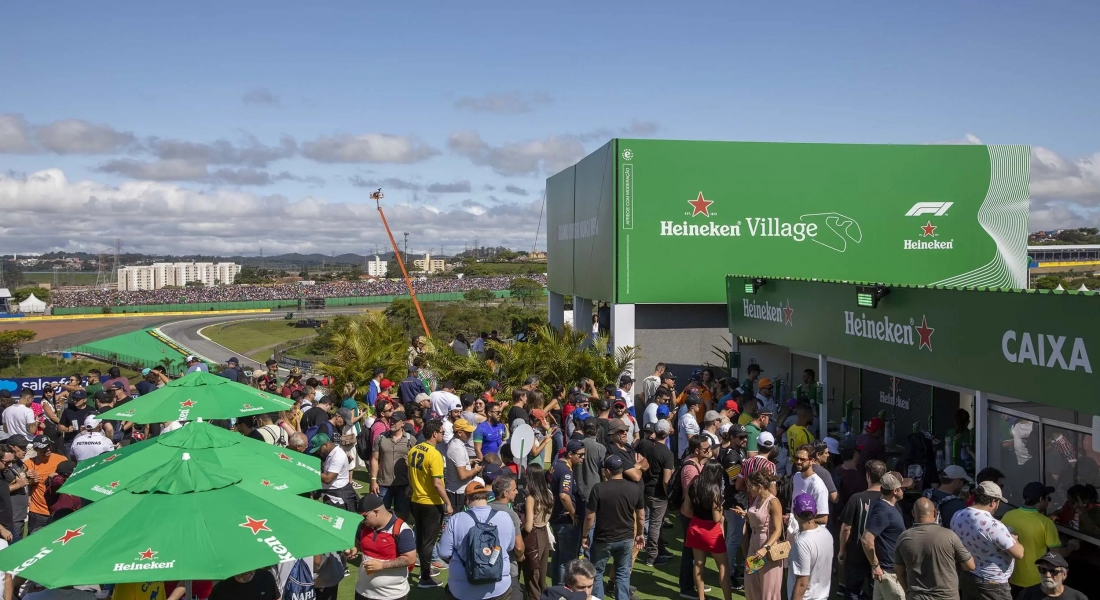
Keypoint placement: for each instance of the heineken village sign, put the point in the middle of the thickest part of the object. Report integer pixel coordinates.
(1031, 346)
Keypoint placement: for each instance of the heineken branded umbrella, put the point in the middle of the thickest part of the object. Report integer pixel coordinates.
(198, 395)
(259, 464)
(187, 521)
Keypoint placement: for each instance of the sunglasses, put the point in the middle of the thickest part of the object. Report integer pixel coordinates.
(1049, 571)
(581, 455)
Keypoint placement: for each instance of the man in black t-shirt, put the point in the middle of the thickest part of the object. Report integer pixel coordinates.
(853, 522)
(656, 478)
(616, 517)
(518, 410)
(564, 519)
(72, 418)
(253, 585)
(735, 439)
(318, 414)
(617, 446)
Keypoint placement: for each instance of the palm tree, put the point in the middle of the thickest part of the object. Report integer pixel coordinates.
(360, 344)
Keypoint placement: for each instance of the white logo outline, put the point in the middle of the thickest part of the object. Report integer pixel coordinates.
(936, 209)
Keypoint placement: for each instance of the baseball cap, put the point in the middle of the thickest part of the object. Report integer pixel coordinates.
(604, 405)
(455, 404)
(792, 402)
(100, 395)
(369, 502)
(804, 506)
(663, 427)
(1053, 559)
(345, 413)
(191, 358)
(232, 361)
(613, 463)
(693, 399)
(146, 371)
(730, 405)
(77, 395)
(1034, 491)
(18, 440)
(90, 422)
(663, 411)
(766, 440)
(117, 386)
(493, 385)
(648, 427)
(422, 397)
(464, 425)
(711, 416)
(669, 375)
(764, 383)
(874, 425)
(990, 489)
(957, 472)
(580, 414)
(724, 428)
(833, 444)
(893, 480)
(398, 415)
(476, 486)
(491, 472)
(625, 379)
(738, 430)
(574, 446)
(618, 425)
(40, 442)
(538, 413)
(697, 375)
(318, 440)
(66, 468)
(385, 384)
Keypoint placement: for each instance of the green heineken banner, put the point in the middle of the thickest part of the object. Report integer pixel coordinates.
(658, 221)
(1032, 346)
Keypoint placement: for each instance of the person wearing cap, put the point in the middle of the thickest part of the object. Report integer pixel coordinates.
(870, 444)
(663, 414)
(90, 442)
(72, 418)
(729, 410)
(587, 474)
(567, 514)
(619, 411)
(732, 455)
(711, 421)
(336, 487)
(757, 424)
(388, 546)
(232, 370)
(928, 557)
(993, 545)
(389, 467)
(461, 466)
(39, 470)
(626, 385)
(1053, 570)
(1037, 532)
(884, 526)
(655, 479)
(444, 402)
(687, 425)
(753, 374)
(452, 413)
(945, 498)
(615, 520)
(810, 565)
(293, 383)
(701, 392)
(765, 397)
(661, 397)
(454, 539)
(650, 384)
(619, 445)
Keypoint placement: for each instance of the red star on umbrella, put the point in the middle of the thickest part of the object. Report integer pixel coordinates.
(265, 482)
(187, 404)
(929, 229)
(70, 534)
(247, 407)
(110, 458)
(788, 312)
(285, 457)
(256, 525)
(113, 484)
(925, 333)
(325, 517)
(700, 206)
(147, 555)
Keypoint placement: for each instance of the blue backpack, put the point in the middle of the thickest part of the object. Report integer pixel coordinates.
(313, 431)
(482, 552)
(299, 586)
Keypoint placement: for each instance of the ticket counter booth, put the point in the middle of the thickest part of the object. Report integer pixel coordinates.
(1020, 362)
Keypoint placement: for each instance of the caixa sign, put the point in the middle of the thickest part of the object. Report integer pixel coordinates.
(14, 384)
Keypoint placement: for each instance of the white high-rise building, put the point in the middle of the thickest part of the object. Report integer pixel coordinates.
(377, 267)
(159, 275)
(428, 264)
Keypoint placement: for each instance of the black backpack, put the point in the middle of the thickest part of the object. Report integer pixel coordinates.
(676, 489)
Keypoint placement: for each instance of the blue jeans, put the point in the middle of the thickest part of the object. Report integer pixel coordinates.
(623, 554)
(396, 498)
(735, 525)
(567, 538)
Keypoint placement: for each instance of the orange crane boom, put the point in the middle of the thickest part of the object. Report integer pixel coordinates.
(377, 197)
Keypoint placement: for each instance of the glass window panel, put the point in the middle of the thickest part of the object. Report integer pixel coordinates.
(1013, 446)
(1069, 460)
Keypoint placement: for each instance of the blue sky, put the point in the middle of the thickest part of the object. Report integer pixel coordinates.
(223, 126)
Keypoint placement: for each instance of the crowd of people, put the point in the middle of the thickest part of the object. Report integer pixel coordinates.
(282, 291)
(740, 474)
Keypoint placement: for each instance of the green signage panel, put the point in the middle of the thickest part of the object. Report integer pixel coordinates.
(1034, 346)
(922, 215)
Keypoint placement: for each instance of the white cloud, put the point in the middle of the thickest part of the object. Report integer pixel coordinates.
(14, 135)
(260, 96)
(71, 136)
(169, 218)
(531, 157)
(504, 103)
(458, 187)
(368, 148)
(1054, 177)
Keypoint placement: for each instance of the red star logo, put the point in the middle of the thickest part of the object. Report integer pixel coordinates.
(265, 482)
(325, 517)
(187, 404)
(113, 484)
(929, 229)
(247, 407)
(925, 333)
(70, 534)
(147, 555)
(256, 525)
(700, 206)
(110, 458)
(788, 312)
(285, 457)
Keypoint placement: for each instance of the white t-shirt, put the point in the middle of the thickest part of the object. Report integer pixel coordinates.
(688, 427)
(627, 397)
(337, 462)
(457, 456)
(813, 486)
(650, 414)
(90, 444)
(174, 425)
(811, 554)
(16, 419)
(448, 430)
(442, 402)
(988, 541)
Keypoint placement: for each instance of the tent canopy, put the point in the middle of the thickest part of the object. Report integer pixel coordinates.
(32, 305)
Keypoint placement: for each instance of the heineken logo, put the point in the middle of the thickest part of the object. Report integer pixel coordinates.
(30, 561)
(754, 226)
(187, 403)
(1045, 350)
(141, 565)
(148, 554)
(70, 535)
(885, 330)
(256, 525)
(928, 230)
(277, 547)
(700, 206)
(102, 490)
(249, 408)
(767, 312)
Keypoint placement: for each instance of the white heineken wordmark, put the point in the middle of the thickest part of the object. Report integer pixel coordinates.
(144, 566)
(1044, 350)
(767, 312)
(757, 227)
(934, 245)
(885, 330)
(277, 547)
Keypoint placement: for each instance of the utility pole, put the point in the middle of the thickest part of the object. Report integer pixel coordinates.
(406, 245)
(377, 197)
(114, 271)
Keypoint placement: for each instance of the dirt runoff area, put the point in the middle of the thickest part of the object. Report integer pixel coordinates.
(59, 334)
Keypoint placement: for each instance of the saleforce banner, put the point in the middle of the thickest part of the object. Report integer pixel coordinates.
(1035, 346)
(921, 215)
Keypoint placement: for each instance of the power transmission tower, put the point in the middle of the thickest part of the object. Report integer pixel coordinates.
(102, 278)
(115, 267)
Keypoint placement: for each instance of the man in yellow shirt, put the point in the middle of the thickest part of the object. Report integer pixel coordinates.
(799, 433)
(430, 502)
(1037, 534)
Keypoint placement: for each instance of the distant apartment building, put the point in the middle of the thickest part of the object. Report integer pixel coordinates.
(159, 275)
(377, 267)
(429, 265)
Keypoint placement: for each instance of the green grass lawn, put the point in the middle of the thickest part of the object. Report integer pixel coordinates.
(53, 366)
(63, 278)
(256, 338)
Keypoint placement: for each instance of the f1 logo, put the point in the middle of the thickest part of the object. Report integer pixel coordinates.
(937, 209)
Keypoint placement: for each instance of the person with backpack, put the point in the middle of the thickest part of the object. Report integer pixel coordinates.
(946, 499)
(476, 543)
(270, 432)
(388, 546)
(698, 453)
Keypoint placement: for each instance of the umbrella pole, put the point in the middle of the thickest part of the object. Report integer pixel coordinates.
(187, 590)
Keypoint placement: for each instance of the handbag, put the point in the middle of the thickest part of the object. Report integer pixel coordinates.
(779, 551)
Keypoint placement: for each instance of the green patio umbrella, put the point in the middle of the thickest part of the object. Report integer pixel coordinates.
(260, 464)
(187, 521)
(198, 395)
